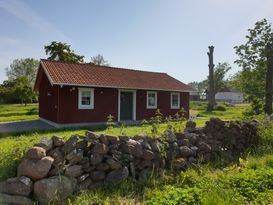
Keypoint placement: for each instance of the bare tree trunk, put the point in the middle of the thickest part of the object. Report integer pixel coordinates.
(269, 79)
(211, 91)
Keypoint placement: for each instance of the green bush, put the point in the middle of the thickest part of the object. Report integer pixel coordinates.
(220, 108)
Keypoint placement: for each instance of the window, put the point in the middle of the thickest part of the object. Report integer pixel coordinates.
(175, 100)
(151, 100)
(86, 98)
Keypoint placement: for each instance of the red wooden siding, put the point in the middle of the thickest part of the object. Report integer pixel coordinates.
(163, 103)
(48, 99)
(105, 103)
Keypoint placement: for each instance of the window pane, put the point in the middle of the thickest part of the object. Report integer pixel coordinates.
(175, 100)
(151, 99)
(86, 98)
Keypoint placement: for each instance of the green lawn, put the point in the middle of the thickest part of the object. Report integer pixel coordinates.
(16, 112)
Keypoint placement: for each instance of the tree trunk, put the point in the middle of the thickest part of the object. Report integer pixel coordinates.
(211, 91)
(269, 79)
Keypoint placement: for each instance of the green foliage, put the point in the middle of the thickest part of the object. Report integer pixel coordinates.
(62, 52)
(99, 60)
(180, 119)
(173, 195)
(155, 121)
(252, 60)
(220, 108)
(21, 76)
(17, 90)
(110, 123)
(23, 68)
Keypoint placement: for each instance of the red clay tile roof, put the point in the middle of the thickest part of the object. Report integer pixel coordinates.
(79, 74)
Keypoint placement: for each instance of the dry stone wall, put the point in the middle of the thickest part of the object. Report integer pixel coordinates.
(54, 169)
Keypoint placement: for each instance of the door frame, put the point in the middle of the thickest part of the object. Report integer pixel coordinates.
(134, 102)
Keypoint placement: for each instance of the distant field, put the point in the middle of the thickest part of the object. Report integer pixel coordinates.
(234, 112)
(16, 112)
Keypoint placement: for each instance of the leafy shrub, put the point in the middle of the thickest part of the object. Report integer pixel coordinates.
(173, 195)
(220, 108)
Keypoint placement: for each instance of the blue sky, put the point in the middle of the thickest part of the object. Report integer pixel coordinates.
(159, 35)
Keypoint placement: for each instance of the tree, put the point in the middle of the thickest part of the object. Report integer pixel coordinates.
(211, 91)
(62, 52)
(255, 59)
(23, 68)
(99, 60)
(23, 90)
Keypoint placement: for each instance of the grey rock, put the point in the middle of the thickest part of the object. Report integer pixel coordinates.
(74, 171)
(179, 163)
(91, 136)
(46, 143)
(57, 155)
(148, 154)
(97, 175)
(58, 141)
(70, 144)
(35, 169)
(136, 150)
(156, 146)
(112, 139)
(36, 153)
(103, 139)
(84, 184)
(6, 199)
(204, 147)
(53, 189)
(186, 151)
(170, 136)
(113, 164)
(96, 158)
(75, 156)
(103, 167)
(117, 176)
(18, 186)
(83, 177)
(100, 148)
(146, 145)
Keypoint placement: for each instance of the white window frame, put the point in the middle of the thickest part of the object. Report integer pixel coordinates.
(85, 107)
(172, 106)
(147, 100)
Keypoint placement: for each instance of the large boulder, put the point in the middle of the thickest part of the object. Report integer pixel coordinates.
(35, 169)
(117, 176)
(6, 199)
(54, 189)
(46, 143)
(18, 186)
(36, 153)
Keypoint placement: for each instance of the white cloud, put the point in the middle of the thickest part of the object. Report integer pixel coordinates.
(22, 11)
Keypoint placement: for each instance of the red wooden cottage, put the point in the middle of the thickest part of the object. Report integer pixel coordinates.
(85, 93)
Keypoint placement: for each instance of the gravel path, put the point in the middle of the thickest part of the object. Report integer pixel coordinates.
(8, 127)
